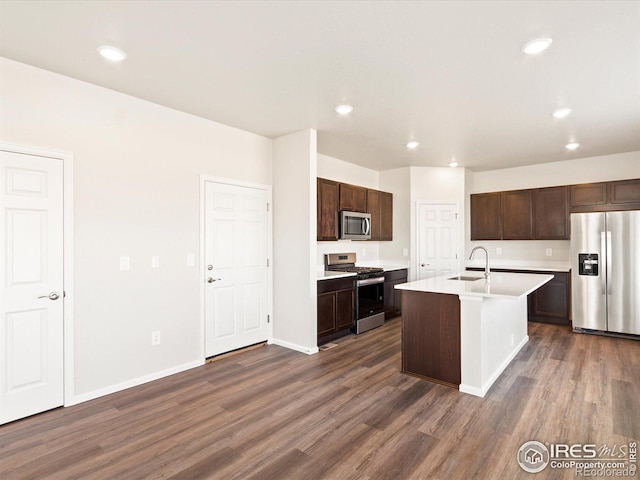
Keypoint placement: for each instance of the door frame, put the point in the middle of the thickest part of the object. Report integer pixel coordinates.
(68, 261)
(201, 268)
(416, 260)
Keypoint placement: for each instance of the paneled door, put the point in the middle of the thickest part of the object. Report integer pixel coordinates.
(437, 239)
(236, 272)
(31, 304)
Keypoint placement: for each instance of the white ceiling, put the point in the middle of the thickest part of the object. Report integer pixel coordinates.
(447, 74)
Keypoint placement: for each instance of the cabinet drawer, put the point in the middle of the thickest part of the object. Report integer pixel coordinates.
(335, 284)
(395, 275)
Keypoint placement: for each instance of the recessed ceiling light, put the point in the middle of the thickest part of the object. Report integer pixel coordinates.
(572, 146)
(453, 164)
(536, 46)
(412, 145)
(562, 112)
(344, 109)
(112, 53)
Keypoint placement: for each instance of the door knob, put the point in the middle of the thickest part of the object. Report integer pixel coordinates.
(211, 279)
(51, 296)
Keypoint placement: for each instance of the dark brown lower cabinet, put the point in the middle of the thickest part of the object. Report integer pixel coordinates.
(393, 297)
(431, 336)
(336, 308)
(551, 303)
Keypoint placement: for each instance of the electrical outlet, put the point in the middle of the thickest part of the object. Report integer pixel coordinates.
(364, 252)
(512, 340)
(124, 263)
(498, 251)
(548, 252)
(155, 338)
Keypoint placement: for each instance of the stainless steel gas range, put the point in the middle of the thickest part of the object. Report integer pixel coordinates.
(369, 289)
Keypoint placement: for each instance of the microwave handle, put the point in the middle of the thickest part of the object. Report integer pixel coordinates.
(367, 226)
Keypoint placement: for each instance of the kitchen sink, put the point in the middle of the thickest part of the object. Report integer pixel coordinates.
(465, 279)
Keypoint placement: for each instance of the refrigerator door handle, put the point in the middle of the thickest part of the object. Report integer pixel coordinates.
(604, 262)
(609, 261)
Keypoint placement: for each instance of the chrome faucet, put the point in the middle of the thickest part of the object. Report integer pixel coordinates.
(486, 265)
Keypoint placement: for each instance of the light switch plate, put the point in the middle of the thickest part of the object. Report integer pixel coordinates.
(191, 260)
(124, 263)
(548, 252)
(405, 252)
(155, 261)
(498, 251)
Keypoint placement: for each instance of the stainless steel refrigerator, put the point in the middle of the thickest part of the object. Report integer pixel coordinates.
(605, 272)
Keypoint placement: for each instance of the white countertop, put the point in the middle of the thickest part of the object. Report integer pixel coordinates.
(325, 275)
(533, 265)
(508, 285)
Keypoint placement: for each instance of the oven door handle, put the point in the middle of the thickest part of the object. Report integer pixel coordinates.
(370, 281)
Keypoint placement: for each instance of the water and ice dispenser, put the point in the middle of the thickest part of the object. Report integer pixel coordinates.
(588, 264)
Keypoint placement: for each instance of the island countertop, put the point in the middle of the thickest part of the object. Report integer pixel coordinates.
(509, 285)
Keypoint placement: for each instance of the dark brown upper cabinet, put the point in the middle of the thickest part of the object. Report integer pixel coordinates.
(380, 207)
(486, 216)
(625, 193)
(517, 215)
(332, 197)
(551, 213)
(373, 209)
(353, 198)
(606, 196)
(386, 216)
(327, 221)
(588, 195)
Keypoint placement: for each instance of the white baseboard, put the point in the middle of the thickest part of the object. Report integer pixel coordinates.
(481, 392)
(130, 383)
(293, 346)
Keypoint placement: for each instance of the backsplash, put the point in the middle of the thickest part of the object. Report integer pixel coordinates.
(535, 250)
(365, 251)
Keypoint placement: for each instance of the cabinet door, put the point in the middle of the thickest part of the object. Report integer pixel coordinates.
(344, 309)
(551, 214)
(625, 193)
(586, 197)
(517, 215)
(486, 221)
(327, 209)
(551, 298)
(386, 216)
(373, 208)
(326, 313)
(353, 198)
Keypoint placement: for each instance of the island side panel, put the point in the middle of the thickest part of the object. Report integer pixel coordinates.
(431, 336)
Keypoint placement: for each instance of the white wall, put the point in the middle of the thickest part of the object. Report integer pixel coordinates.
(585, 170)
(345, 172)
(435, 185)
(136, 193)
(294, 232)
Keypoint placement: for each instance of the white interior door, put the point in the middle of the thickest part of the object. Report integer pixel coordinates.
(236, 273)
(437, 239)
(31, 304)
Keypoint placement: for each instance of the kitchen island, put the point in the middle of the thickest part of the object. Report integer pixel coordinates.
(464, 332)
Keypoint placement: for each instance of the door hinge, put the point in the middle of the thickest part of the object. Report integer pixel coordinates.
(268, 318)
(456, 215)
(456, 256)
(267, 262)
(267, 207)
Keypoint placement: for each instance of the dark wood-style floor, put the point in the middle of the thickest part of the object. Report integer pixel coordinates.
(345, 413)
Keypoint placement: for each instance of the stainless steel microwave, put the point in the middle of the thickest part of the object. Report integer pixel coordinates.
(355, 226)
